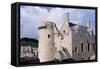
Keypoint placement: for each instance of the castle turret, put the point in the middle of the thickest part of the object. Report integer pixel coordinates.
(46, 42)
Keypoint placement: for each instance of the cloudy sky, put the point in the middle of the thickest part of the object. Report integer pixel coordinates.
(31, 16)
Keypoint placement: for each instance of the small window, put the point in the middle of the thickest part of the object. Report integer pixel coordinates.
(88, 46)
(63, 48)
(64, 32)
(88, 58)
(93, 47)
(48, 35)
(82, 58)
(81, 46)
(75, 49)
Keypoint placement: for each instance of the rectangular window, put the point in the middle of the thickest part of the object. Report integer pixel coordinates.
(48, 35)
(75, 49)
(88, 47)
(93, 47)
(81, 46)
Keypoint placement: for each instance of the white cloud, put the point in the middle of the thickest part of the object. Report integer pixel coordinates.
(30, 18)
(56, 16)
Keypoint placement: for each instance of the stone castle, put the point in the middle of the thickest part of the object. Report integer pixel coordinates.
(72, 41)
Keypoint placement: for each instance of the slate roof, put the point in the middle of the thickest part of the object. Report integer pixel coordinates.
(72, 24)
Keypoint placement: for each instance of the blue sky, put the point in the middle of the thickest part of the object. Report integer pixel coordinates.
(32, 16)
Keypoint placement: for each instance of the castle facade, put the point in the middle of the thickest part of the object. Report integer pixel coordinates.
(72, 41)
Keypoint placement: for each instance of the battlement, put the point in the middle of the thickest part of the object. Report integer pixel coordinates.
(45, 25)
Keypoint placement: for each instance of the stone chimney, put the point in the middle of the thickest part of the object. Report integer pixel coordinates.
(88, 26)
(66, 19)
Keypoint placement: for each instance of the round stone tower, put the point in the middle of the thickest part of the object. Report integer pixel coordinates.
(46, 42)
